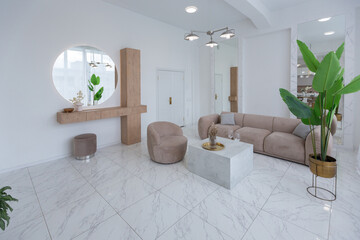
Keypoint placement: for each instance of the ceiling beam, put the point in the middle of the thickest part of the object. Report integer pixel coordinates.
(254, 10)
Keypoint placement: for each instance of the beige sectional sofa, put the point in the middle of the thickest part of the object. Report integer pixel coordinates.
(269, 135)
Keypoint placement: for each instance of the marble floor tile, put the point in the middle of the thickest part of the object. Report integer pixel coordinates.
(77, 217)
(19, 181)
(192, 227)
(91, 166)
(114, 228)
(108, 176)
(124, 193)
(267, 176)
(269, 227)
(267, 162)
(123, 153)
(53, 180)
(229, 214)
(298, 185)
(344, 224)
(251, 191)
(52, 166)
(151, 216)
(33, 230)
(64, 194)
(160, 176)
(300, 211)
(189, 190)
(24, 210)
(136, 165)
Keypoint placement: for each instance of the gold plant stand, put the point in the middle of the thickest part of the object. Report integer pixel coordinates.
(316, 188)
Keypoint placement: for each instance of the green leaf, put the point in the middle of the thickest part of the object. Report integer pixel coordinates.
(333, 99)
(99, 93)
(297, 107)
(2, 224)
(311, 62)
(340, 51)
(327, 73)
(353, 86)
(95, 80)
(90, 86)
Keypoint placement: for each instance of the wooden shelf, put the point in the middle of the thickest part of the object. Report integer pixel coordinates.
(99, 113)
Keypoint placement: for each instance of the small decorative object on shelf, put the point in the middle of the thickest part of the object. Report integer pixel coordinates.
(77, 101)
(212, 136)
(68, 110)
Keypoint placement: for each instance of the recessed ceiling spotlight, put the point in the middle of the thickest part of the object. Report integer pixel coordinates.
(191, 9)
(324, 19)
(329, 33)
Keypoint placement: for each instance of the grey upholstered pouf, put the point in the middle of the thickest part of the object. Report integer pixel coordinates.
(85, 146)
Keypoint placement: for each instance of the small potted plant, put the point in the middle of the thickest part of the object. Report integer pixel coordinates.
(77, 101)
(93, 82)
(328, 82)
(5, 207)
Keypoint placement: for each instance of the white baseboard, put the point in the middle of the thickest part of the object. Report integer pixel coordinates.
(57, 157)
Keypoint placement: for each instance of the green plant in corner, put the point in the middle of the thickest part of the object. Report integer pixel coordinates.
(95, 81)
(4, 207)
(328, 82)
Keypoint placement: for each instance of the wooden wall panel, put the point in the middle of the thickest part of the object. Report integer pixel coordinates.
(233, 98)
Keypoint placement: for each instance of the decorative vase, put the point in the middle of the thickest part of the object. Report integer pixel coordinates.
(212, 141)
(79, 107)
(325, 169)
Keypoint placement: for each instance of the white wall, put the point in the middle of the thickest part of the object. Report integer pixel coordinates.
(266, 69)
(34, 32)
(357, 72)
(205, 91)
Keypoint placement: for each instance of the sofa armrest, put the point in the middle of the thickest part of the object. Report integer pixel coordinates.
(205, 122)
(309, 147)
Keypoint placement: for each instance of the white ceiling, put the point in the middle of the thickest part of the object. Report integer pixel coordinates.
(274, 5)
(211, 14)
(314, 31)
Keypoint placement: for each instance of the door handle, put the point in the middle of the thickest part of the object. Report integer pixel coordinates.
(215, 96)
(170, 100)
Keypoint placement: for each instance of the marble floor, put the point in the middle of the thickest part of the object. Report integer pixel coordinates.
(122, 194)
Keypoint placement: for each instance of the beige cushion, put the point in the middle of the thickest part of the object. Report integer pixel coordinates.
(258, 121)
(285, 145)
(223, 130)
(254, 136)
(287, 125)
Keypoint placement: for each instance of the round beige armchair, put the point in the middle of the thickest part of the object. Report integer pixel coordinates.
(166, 143)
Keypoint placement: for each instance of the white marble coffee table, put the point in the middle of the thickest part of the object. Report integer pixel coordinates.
(226, 167)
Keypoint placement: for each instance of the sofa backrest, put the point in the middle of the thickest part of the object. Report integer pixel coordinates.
(258, 121)
(286, 125)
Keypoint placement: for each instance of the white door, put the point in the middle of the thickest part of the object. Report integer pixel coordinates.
(171, 97)
(218, 93)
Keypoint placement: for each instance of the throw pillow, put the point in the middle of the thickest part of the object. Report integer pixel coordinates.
(227, 119)
(302, 130)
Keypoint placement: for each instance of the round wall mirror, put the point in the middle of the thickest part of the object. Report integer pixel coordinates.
(85, 69)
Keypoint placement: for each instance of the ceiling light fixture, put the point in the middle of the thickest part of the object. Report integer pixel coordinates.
(329, 33)
(227, 34)
(211, 43)
(191, 9)
(324, 19)
(191, 36)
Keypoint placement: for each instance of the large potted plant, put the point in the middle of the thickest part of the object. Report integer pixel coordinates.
(5, 207)
(328, 82)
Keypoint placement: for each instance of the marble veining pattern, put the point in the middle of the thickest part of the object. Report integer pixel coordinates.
(110, 197)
